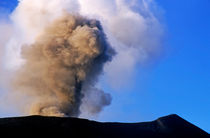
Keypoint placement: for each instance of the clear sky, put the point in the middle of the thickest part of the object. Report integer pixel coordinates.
(179, 82)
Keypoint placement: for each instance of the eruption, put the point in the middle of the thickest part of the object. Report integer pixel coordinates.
(62, 64)
(52, 53)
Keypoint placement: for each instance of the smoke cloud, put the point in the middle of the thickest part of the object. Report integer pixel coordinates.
(69, 53)
(6, 30)
(133, 29)
(58, 49)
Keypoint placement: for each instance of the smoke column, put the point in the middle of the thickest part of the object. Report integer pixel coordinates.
(69, 53)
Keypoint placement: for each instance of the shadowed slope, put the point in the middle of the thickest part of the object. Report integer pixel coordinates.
(171, 126)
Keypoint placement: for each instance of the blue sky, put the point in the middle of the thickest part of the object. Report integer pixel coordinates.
(179, 82)
(7, 7)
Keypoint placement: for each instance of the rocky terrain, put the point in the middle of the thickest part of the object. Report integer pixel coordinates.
(171, 126)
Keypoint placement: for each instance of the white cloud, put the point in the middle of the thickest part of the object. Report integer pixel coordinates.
(132, 29)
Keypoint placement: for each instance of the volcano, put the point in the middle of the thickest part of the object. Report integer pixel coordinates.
(171, 126)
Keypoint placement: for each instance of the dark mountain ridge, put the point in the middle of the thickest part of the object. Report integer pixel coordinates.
(171, 126)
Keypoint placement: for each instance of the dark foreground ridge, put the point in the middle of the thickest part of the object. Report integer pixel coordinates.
(171, 126)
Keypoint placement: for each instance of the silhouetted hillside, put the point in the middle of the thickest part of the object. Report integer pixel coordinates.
(171, 126)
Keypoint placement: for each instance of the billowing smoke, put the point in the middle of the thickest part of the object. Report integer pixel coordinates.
(68, 55)
(58, 49)
(134, 31)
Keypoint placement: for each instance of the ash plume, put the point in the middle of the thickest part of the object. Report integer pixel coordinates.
(62, 65)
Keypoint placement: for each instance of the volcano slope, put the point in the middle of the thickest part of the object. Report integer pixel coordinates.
(171, 126)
